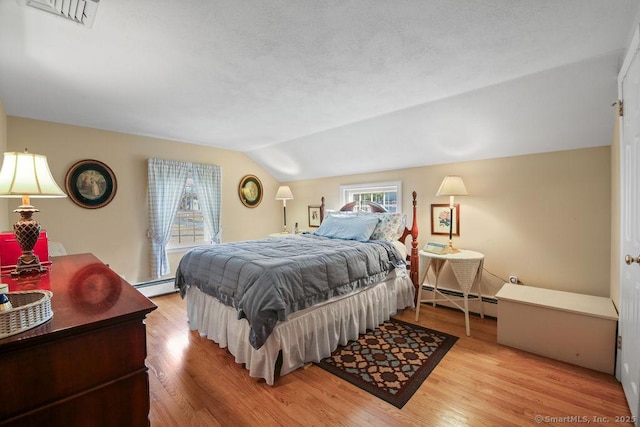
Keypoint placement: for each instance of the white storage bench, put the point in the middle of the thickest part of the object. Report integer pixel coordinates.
(574, 328)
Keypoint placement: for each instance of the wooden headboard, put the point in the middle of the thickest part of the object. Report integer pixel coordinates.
(374, 207)
(413, 232)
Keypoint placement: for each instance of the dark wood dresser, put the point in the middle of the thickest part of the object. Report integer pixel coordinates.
(86, 365)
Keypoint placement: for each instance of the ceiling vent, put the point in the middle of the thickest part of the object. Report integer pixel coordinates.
(81, 12)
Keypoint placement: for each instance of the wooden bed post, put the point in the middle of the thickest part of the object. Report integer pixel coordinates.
(415, 261)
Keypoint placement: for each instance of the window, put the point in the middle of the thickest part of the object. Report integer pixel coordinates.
(188, 227)
(387, 194)
(184, 208)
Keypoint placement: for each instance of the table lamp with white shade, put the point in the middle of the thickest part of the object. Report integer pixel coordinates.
(25, 175)
(284, 193)
(451, 186)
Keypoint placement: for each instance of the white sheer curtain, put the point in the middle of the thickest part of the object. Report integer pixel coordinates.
(208, 182)
(166, 185)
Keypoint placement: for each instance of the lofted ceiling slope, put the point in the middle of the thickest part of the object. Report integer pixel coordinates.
(306, 87)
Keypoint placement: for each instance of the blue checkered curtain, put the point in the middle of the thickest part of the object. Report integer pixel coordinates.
(208, 183)
(166, 185)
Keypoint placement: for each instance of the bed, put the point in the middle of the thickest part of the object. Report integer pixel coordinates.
(281, 302)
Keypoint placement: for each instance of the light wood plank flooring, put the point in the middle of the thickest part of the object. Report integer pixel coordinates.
(193, 382)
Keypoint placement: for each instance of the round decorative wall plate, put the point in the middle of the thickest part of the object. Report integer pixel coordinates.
(250, 191)
(91, 184)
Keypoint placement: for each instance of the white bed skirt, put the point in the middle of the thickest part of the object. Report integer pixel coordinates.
(308, 335)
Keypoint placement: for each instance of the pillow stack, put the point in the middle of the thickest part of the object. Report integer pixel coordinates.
(362, 226)
(348, 227)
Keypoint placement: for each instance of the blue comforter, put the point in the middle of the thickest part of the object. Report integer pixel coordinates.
(266, 280)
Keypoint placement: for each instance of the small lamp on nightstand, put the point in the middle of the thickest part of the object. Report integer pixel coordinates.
(284, 193)
(451, 186)
(25, 175)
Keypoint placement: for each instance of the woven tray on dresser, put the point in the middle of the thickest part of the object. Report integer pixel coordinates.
(30, 309)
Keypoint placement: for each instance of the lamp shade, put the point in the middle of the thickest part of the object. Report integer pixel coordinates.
(27, 174)
(284, 193)
(452, 186)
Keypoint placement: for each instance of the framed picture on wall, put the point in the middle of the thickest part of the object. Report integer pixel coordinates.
(91, 184)
(250, 191)
(314, 216)
(440, 219)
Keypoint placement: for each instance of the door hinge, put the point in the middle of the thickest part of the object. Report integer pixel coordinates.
(619, 342)
(620, 108)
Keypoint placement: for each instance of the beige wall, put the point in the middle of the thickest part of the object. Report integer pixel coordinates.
(544, 217)
(4, 216)
(116, 233)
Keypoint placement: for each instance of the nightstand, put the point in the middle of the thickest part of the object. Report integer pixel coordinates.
(467, 268)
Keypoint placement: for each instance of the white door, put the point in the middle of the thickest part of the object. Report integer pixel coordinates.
(629, 323)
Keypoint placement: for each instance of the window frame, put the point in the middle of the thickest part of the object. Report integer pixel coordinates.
(206, 240)
(347, 190)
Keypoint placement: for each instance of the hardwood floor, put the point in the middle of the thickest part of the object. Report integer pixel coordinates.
(193, 382)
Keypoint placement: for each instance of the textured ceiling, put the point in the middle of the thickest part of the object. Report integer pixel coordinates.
(279, 79)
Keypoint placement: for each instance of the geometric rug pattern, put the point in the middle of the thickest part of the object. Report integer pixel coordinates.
(392, 361)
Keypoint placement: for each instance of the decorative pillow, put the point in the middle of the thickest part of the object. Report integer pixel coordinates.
(333, 212)
(403, 225)
(353, 227)
(388, 227)
(336, 212)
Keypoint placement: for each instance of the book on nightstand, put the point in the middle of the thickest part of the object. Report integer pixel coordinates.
(434, 248)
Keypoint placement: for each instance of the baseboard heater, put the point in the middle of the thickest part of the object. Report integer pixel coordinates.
(157, 287)
(155, 282)
(458, 294)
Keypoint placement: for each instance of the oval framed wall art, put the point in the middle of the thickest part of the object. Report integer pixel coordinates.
(250, 191)
(91, 184)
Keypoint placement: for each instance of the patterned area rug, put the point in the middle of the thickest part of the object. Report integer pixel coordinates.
(392, 361)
